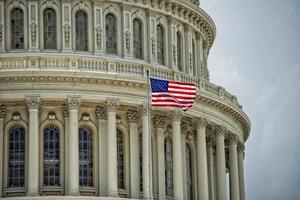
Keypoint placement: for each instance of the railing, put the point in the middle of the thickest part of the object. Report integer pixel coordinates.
(110, 66)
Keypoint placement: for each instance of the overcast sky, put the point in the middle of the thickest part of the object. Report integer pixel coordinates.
(256, 57)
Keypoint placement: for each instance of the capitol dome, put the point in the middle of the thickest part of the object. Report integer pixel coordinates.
(73, 103)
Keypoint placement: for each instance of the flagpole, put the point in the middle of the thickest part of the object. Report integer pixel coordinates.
(150, 190)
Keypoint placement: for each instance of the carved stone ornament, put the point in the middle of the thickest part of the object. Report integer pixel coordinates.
(2, 111)
(101, 112)
(127, 40)
(33, 28)
(174, 53)
(201, 122)
(132, 116)
(219, 130)
(153, 45)
(1, 32)
(33, 102)
(99, 35)
(177, 115)
(73, 102)
(160, 121)
(67, 32)
(112, 104)
(143, 110)
(232, 138)
(65, 111)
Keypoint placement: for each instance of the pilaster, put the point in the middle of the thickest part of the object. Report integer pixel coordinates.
(67, 26)
(33, 104)
(33, 25)
(2, 115)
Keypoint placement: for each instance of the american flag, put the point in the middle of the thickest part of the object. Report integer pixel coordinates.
(172, 94)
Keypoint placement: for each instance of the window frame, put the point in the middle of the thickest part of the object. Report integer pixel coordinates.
(87, 30)
(162, 44)
(141, 29)
(117, 34)
(42, 26)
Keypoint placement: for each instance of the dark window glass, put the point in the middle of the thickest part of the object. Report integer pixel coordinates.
(120, 159)
(81, 23)
(137, 39)
(17, 29)
(179, 51)
(168, 167)
(16, 157)
(160, 45)
(141, 160)
(49, 29)
(189, 173)
(193, 67)
(85, 157)
(51, 156)
(111, 33)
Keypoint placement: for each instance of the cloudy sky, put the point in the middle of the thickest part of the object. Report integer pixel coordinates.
(256, 56)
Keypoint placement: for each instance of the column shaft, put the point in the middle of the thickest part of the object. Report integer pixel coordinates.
(177, 158)
(2, 112)
(221, 173)
(161, 164)
(233, 165)
(202, 161)
(66, 115)
(211, 181)
(112, 170)
(134, 161)
(33, 146)
(241, 173)
(146, 141)
(73, 165)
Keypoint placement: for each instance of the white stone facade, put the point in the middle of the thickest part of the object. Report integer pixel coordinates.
(94, 80)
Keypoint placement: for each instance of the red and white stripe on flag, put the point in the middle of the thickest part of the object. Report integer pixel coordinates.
(172, 94)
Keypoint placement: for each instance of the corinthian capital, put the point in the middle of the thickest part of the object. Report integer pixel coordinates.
(33, 102)
(219, 130)
(177, 115)
(2, 111)
(101, 112)
(201, 122)
(73, 102)
(232, 138)
(112, 104)
(143, 110)
(132, 116)
(160, 121)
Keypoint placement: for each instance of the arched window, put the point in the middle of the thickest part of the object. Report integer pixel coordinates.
(16, 157)
(49, 29)
(51, 156)
(193, 67)
(160, 45)
(111, 33)
(137, 39)
(17, 29)
(120, 159)
(81, 24)
(85, 157)
(179, 51)
(189, 173)
(168, 167)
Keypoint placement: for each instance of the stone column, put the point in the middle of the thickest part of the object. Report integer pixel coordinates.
(177, 156)
(102, 136)
(202, 161)
(112, 170)
(221, 173)
(67, 118)
(241, 171)
(147, 158)
(132, 118)
(233, 168)
(33, 146)
(73, 145)
(160, 122)
(210, 160)
(2, 114)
